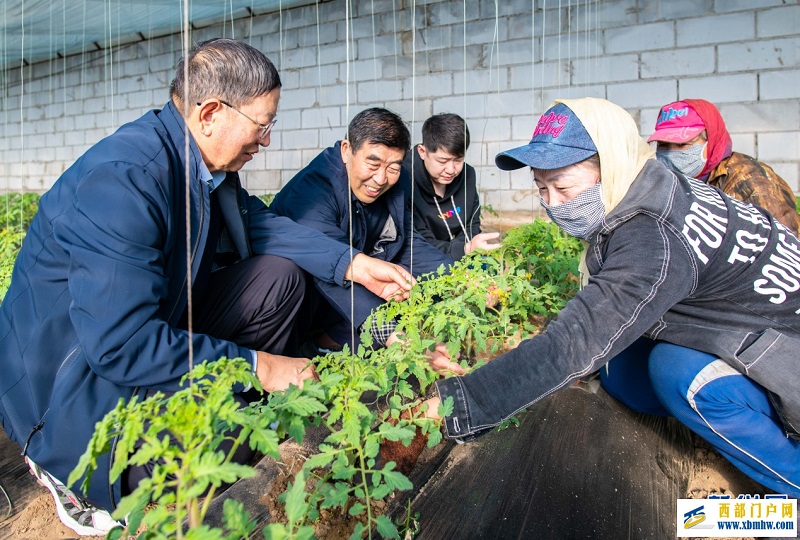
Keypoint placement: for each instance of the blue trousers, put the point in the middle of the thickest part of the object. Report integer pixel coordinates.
(727, 409)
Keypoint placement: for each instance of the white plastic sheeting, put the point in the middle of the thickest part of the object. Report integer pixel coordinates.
(37, 30)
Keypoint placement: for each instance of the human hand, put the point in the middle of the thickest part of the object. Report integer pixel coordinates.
(440, 361)
(482, 241)
(276, 372)
(492, 296)
(387, 280)
(432, 411)
(439, 358)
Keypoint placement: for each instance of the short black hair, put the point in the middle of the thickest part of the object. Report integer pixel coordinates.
(378, 126)
(447, 131)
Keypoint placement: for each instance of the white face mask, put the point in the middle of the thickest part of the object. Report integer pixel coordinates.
(581, 216)
(689, 162)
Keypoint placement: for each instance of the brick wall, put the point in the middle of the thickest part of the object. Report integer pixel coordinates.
(478, 60)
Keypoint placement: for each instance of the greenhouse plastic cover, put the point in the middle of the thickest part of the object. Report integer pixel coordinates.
(38, 30)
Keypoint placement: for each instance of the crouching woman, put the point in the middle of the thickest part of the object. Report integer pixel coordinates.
(689, 306)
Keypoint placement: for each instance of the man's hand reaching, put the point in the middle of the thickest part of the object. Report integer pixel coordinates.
(384, 279)
(277, 372)
(439, 358)
(482, 241)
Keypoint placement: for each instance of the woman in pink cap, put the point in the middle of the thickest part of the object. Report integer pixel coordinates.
(692, 139)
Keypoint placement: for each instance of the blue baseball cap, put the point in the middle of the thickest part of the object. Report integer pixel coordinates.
(559, 140)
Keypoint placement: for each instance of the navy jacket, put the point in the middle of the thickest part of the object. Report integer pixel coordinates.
(100, 282)
(319, 197)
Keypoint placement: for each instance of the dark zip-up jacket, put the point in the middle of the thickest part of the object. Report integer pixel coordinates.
(677, 261)
(100, 283)
(443, 229)
(319, 197)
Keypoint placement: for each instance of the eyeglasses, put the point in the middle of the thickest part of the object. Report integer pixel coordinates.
(265, 128)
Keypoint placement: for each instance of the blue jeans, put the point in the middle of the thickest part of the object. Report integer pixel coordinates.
(712, 399)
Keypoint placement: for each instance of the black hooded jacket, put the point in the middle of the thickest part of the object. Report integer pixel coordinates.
(443, 226)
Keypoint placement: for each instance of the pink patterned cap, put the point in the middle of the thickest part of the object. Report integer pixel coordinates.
(678, 123)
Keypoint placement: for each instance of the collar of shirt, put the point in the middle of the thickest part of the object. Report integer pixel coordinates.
(212, 179)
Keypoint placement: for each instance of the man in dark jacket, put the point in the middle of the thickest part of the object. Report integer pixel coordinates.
(97, 309)
(361, 177)
(447, 210)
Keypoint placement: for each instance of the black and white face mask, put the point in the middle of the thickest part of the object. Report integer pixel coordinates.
(690, 162)
(581, 216)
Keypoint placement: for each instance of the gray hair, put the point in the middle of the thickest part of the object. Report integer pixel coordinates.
(225, 69)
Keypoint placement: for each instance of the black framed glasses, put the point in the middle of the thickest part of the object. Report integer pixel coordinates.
(265, 128)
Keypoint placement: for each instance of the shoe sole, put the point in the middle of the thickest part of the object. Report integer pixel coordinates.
(65, 518)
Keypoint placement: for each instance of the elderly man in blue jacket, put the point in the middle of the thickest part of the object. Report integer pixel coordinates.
(359, 182)
(98, 304)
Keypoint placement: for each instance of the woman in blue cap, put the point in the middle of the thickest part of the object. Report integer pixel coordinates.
(694, 296)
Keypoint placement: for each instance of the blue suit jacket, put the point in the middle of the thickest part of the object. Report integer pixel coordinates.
(100, 283)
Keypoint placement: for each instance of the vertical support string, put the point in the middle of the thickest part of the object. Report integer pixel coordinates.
(50, 54)
(64, 63)
(586, 60)
(374, 49)
(280, 31)
(3, 102)
(110, 48)
(250, 21)
(413, 117)
(533, 86)
(543, 49)
(188, 187)
(394, 30)
(233, 28)
(471, 233)
(347, 16)
(569, 49)
(558, 63)
(319, 53)
(22, 108)
(83, 84)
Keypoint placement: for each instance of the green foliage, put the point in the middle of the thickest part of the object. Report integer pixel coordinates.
(797, 204)
(491, 299)
(183, 433)
(267, 198)
(489, 209)
(484, 302)
(19, 210)
(488, 301)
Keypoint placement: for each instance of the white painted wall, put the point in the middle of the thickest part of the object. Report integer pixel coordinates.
(474, 58)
